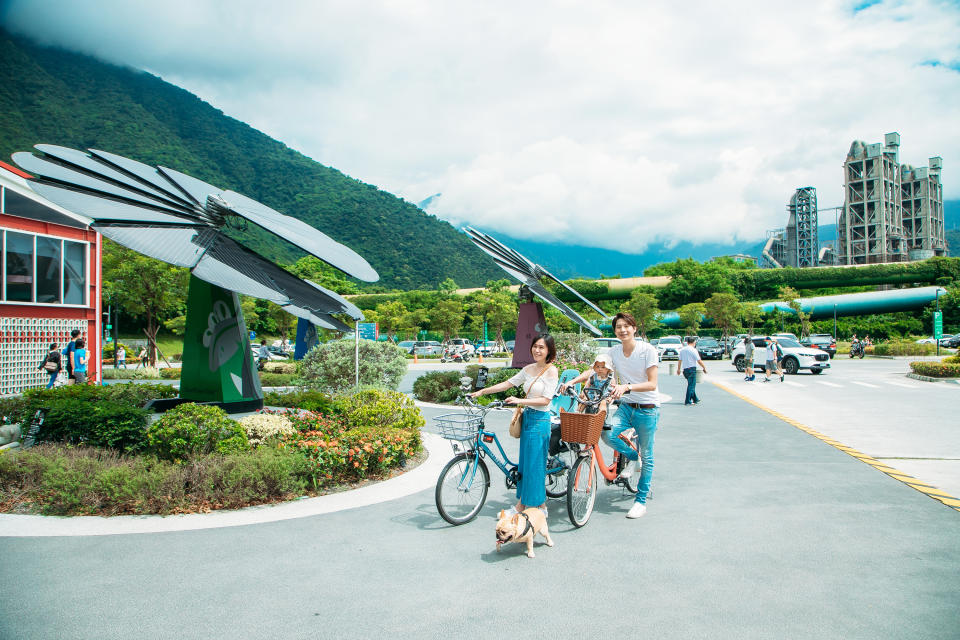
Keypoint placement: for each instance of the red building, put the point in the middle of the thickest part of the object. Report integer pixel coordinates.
(50, 283)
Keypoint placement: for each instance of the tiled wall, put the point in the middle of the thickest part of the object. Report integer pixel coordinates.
(24, 342)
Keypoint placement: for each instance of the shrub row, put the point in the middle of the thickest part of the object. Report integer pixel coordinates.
(59, 479)
(949, 368)
(901, 348)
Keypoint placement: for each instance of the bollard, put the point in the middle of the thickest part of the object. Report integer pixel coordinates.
(673, 368)
(699, 375)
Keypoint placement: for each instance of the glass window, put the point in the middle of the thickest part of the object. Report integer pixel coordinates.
(74, 272)
(19, 267)
(48, 269)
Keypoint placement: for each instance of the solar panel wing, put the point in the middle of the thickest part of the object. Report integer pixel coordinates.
(302, 235)
(179, 246)
(101, 209)
(142, 172)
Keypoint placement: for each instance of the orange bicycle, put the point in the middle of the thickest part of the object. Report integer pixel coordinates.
(585, 429)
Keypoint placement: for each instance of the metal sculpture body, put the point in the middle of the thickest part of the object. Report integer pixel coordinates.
(181, 220)
(530, 319)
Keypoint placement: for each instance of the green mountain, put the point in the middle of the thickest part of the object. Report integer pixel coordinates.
(55, 96)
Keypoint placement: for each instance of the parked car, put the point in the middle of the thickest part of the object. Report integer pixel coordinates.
(945, 339)
(461, 344)
(407, 345)
(709, 349)
(427, 348)
(823, 341)
(954, 342)
(796, 357)
(669, 347)
(786, 335)
(510, 345)
(488, 347)
(603, 345)
(277, 353)
(927, 341)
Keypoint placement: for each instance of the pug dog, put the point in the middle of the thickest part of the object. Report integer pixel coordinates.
(522, 527)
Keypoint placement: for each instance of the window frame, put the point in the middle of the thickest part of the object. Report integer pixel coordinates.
(33, 303)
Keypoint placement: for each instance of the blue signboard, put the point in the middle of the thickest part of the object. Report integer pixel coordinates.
(369, 330)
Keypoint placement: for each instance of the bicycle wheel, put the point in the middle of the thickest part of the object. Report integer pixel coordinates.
(556, 483)
(581, 491)
(459, 499)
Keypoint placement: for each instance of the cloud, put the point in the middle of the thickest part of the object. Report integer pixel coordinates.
(612, 124)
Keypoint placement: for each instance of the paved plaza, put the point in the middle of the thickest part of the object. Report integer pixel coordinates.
(756, 529)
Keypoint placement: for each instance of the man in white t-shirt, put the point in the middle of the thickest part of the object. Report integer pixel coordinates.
(689, 359)
(636, 364)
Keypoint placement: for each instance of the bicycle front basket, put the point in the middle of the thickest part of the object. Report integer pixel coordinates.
(584, 428)
(458, 426)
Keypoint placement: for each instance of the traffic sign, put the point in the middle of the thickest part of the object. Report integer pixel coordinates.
(369, 330)
(937, 324)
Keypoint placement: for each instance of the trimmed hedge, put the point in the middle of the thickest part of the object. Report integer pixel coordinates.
(936, 369)
(901, 348)
(438, 386)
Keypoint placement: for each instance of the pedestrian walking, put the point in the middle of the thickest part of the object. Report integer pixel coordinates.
(68, 353)
(748, 359)
(773, 355)
(141, 358)
(689, 359)
(121, 357)
(80, 363)
(51, 364)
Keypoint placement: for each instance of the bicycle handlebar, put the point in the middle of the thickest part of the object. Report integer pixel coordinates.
(473, 404)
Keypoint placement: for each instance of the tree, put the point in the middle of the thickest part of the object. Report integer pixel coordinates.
(283, 321)
(390, 316)
(643, 307)
(691, 281)
(723, 309)
(750, 315)
(691, 315)
(143, 286)
(447, 317)
(498, 307)
(447, 287)
(790, 296)
(413, 321)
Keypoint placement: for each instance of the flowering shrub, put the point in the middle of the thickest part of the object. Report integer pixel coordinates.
(936, 369)
(330, 365)
(263, 426)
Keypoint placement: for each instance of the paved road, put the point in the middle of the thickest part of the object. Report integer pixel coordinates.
(756, 530)
(872, 406)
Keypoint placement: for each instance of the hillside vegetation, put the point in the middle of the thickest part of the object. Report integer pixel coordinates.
(58, 97)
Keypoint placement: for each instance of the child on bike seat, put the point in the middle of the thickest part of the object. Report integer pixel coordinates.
(598, 379)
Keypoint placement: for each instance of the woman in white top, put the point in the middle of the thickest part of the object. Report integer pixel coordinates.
(539, 382)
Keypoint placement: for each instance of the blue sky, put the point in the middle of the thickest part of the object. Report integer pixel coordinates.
(560, 121)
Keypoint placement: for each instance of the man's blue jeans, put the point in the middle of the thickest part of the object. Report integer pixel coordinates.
(644, 421)
(690, 373)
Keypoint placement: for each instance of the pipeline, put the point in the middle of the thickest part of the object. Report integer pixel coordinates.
(846, 304)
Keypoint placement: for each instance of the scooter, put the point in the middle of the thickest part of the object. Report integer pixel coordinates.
(454, 355)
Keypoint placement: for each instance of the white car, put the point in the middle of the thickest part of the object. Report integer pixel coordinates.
(669, 347)
(602, 345)
(795, 356)
(927, 341)
(461, 344)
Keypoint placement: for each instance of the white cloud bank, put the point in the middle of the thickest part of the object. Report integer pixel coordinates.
(612, 124)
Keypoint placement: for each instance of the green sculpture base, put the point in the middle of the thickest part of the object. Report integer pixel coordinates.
(218, 366)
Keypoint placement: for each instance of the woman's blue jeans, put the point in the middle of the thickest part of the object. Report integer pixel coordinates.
(644, 422)
(53, 378)
(532, 464)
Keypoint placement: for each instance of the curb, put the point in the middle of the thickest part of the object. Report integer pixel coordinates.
(413, 481)
(917, 376)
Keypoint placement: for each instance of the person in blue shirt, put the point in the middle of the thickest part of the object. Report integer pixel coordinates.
(80, 363)
(68, 355)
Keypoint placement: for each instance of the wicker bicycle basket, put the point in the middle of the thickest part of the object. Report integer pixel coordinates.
(584, 428)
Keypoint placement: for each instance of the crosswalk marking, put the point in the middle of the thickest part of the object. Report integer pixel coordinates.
(865, 384)
(900, 384)
(794, 384)
(830, 384)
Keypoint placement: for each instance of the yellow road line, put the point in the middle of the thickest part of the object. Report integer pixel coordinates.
(910, 481)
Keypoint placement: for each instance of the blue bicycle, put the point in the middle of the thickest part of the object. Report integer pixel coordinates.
(462, 486)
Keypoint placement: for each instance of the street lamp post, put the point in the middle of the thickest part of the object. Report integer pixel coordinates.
(834, 322)
(935, 322)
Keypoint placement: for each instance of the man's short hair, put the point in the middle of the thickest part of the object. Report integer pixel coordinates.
(626, 317)
(691, 339)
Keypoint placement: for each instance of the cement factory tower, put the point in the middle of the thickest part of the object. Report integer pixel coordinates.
(922, 196)
(803, 245)
(871, 228)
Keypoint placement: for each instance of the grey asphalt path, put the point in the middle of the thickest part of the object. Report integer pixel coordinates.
(756, 530)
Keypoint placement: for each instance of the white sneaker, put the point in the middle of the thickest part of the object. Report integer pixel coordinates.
(637, 510)
(628, 470)
(512, 511)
